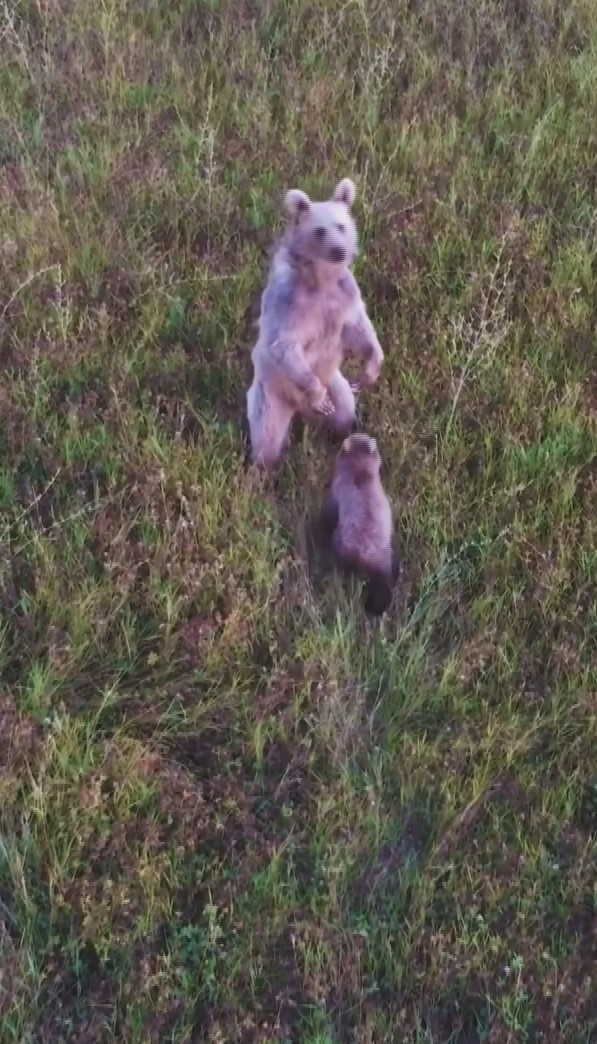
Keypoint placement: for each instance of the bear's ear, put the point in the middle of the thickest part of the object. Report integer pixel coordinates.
(296, 203)
(345, 192)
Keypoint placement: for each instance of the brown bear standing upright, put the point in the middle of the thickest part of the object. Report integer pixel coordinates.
(312, 317)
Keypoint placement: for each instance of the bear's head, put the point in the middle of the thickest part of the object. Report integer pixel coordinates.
(360, 456)
(323, 232)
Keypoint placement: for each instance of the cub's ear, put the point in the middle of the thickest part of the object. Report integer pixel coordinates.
(345, 192)
(296, 203)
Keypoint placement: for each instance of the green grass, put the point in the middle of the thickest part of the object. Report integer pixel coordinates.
(231, 807)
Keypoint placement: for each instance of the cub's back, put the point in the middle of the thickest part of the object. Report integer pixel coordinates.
(364, 529)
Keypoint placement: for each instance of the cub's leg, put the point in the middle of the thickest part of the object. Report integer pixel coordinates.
(345, 411)
(329, 514)
(378, 593)
(269, 423)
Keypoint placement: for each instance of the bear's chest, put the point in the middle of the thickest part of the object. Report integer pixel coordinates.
(325, 313)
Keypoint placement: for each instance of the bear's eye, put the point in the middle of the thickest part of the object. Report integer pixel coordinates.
(341, 228)
(320, 232)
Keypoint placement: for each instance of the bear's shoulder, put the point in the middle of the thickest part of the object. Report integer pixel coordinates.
(348, 287)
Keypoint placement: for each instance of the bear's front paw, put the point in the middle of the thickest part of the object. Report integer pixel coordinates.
(316, 394)
(366, 380)
(372, 370)
(326, 408)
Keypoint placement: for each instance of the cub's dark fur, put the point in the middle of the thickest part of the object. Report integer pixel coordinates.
(357, 517)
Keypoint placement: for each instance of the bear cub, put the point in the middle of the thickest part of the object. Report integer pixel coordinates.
(357, 517)
(312, 317)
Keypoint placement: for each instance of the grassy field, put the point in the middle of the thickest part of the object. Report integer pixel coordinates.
(232, 808)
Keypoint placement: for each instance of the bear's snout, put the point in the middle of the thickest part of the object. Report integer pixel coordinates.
(337, 254)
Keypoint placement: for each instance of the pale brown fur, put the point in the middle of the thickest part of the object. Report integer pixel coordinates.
(312, 317)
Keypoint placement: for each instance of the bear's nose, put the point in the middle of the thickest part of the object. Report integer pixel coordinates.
(337, 254)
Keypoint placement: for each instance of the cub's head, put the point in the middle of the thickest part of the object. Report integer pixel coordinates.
(360, 456)
(323, 232)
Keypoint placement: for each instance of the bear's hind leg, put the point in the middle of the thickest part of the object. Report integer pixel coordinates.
(342, 396)
(269, 423)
